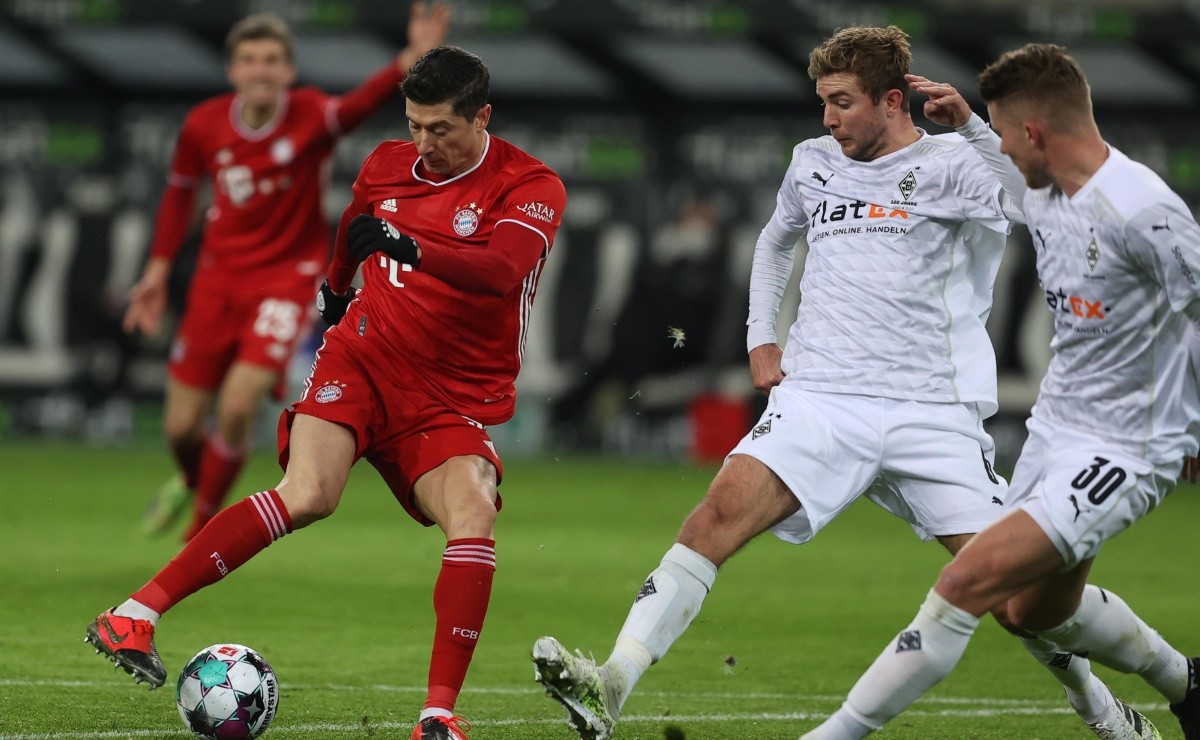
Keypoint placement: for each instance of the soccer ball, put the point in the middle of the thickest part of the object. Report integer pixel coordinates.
(227, 692)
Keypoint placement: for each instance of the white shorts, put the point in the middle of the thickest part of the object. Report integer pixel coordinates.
(1082, 490)
(928, 463)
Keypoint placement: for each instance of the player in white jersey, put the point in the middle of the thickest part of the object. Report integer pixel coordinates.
(1118, 254)
(888, 371)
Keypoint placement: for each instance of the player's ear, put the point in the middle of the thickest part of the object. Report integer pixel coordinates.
(894, 101)
(482, 117)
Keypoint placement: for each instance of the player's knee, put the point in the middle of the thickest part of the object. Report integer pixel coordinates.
(1031, 617)
(235, 416)
(183, 428)
(307, 503)
(472, 516)
(963, 586)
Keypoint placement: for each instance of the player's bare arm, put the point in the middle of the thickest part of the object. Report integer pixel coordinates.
(428, 24)
(148, 298)
(945, 105)
(765, 366)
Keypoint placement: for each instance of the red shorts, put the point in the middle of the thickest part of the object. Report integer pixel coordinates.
(220, 328)
(402, 432)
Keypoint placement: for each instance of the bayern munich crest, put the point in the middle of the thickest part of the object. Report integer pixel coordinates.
(329, 392)
(466, 221)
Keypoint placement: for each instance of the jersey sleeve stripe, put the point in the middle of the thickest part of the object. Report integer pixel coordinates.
(535, 230)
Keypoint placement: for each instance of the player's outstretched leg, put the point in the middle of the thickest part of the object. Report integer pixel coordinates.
(1121, 721)
(575, 682)
(129, 643)
(168, 503)
(1188, 710)
(441, 728)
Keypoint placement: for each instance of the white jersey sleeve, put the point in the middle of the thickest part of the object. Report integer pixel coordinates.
(902, 255)
(986, 144)
(774, 256)
(1120, 265)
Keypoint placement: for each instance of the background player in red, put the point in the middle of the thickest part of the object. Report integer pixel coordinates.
(266, 148)
(451, 230)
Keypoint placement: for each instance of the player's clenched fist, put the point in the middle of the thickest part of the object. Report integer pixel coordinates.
(367, 235)
(332, 306)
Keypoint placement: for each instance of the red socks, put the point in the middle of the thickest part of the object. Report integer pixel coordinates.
(460, 600)
(187, 456)
(219, 467)
(236, 535)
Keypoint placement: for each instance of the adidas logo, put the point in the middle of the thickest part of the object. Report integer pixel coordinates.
(388, 205)
(647, 589)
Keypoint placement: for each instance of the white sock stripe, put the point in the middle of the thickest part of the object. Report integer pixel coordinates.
(262, 514)
(478, 554)
(269, 513)
(273, 510)
(477, 549)
(477, 561)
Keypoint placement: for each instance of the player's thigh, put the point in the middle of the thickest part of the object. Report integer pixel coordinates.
(1083, 491)
(241, 395)
(744, 500)
(998, 563)
(823, 447)
(185, 409)
(321, 455)
(460, 496)
(439, 465)
(938, 472)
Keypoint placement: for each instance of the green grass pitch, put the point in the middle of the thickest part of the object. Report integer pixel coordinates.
(342, 610)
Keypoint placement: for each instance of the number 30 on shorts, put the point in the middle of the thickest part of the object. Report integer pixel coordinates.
(1099, 480)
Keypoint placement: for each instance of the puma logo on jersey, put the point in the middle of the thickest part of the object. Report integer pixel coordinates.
(1075, 503)
(823, 180)
(388, 205)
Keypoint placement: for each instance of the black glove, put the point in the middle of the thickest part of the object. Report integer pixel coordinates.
(332, 306)
(367, 235)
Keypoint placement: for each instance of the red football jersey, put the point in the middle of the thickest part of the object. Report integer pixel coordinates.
(266, 222)
(463, 346)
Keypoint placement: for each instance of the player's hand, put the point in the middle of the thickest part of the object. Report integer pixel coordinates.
(945, 106)
(765, 366)
(367, 235)
(332, 306)
(428, 24)
(148, 298)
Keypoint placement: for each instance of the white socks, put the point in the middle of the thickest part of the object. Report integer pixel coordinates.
(921, 655)
(668, 601)
(1110, 633)
(137, 610)
(1086, 693)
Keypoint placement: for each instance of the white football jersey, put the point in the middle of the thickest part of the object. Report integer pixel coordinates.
(1119, 262)
(902, 256)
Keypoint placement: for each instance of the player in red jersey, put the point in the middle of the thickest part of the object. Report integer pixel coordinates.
(451, 231)
(266, 148)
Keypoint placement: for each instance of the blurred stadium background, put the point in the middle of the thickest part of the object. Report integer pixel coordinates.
(671, 122)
